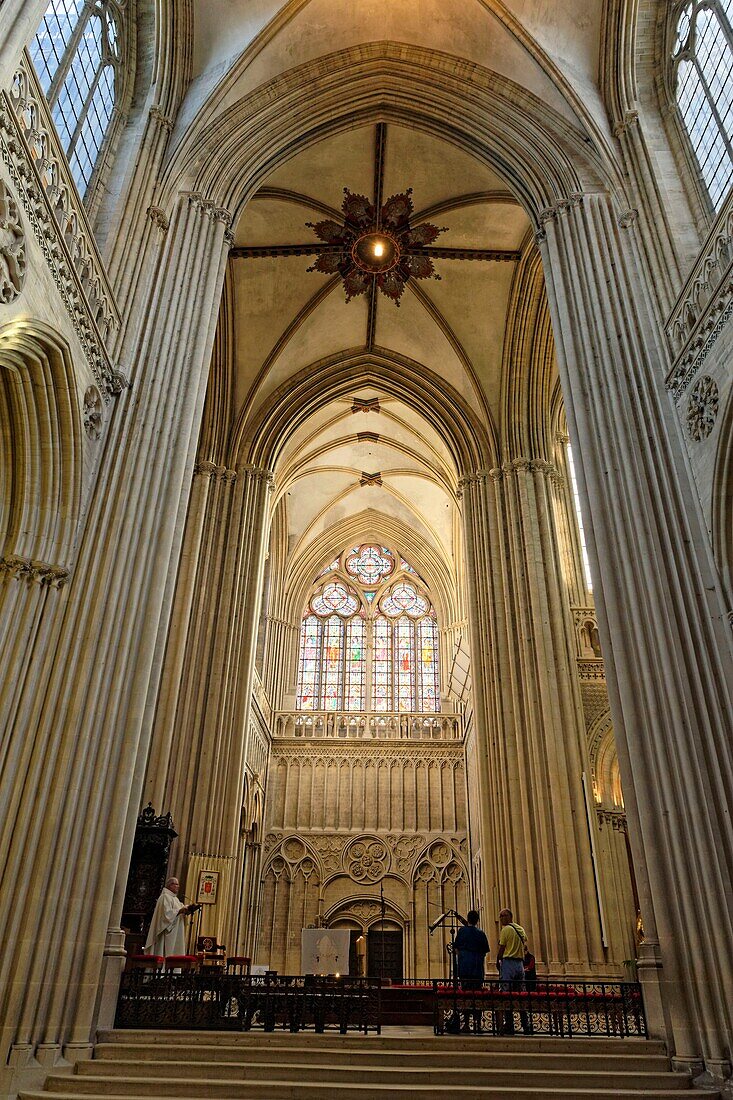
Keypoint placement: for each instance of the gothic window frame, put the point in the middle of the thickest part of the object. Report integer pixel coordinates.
(676, 52)
(75, 79)
(411, 622)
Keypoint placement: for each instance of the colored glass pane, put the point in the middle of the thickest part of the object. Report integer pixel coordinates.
(427, 665)
(370, 563)
(329, 568)
(404, 650)
(334, 597)
(332, 680)
(309, 665)
(382, 665)
(404, 598)
(354, 695)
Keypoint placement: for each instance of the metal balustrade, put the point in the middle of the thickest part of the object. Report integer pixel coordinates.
(211, 999)
(558, 1008)
(367, 725)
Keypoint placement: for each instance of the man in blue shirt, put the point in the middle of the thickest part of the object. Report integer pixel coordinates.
(471, 948)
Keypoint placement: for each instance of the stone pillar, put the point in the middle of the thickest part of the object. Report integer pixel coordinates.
(534, 740)
(19, 20)
(81, 726)
(665, 637)
(201, 730)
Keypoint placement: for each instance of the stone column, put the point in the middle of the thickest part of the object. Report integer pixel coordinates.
(532, 738)
(82, 726)
(201, 731)
(666, 641)
(19, 20)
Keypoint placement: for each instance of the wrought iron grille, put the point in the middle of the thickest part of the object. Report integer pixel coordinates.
(219, 1001)
(563, 1009)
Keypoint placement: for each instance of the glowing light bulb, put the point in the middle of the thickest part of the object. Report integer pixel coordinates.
(378, 249)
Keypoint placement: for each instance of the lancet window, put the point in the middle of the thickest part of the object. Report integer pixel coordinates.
(702, 83)
(579, 516)
(369, 638)
(78, 55)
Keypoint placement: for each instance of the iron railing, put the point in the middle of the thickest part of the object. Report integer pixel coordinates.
(564, 1009)
(212, 999)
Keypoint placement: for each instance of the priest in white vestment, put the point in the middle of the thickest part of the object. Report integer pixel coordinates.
(167, 932)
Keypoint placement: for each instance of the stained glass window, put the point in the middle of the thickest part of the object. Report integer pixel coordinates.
(702, 73)
(382, 665)
(77, 55)
(334, 597)
(354, 696)
(369, 650)
(311, 633)
(404, 597)
(370, 564)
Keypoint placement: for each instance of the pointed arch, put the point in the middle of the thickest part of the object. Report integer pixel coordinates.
(40, 422)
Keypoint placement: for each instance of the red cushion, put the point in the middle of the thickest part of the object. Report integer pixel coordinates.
(157, 959)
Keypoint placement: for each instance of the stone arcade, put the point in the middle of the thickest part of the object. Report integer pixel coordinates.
(290, 535)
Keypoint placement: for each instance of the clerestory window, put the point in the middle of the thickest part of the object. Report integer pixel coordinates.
(77, 53)
(369, 638)
(702, 84)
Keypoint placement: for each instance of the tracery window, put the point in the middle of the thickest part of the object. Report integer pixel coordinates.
(371, 648)
(77, 53)
(702, 83)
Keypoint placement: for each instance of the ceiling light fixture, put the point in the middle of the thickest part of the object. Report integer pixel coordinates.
(375, 247)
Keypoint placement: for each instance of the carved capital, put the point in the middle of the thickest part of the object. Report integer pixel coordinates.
(158, 217)
(628, 218)
(552, 213)
(629, 120)
(157, 116)
(210, 469)
(209, 209)
(34, 572)
(467, 480)
(260, 474)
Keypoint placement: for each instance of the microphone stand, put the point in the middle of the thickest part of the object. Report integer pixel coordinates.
(451, 915)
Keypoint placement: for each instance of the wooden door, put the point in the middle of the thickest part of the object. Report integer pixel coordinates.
(384, 954)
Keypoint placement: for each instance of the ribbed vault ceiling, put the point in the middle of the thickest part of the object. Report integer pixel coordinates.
(369, 450)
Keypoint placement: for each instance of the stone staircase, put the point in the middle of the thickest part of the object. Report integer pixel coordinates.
(402, 1062)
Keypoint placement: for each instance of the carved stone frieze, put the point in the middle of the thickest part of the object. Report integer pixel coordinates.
(591, 668)
(93, 412)
(40, 176)
(705, 304)
(12, 247)
(702, 408)
(423, 752)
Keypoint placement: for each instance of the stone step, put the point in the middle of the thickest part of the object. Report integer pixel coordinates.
(226, 1079)
(514, 1056)
(397, 1041)
(286, 1090)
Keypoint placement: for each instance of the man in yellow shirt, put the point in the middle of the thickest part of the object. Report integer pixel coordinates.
(510, 964)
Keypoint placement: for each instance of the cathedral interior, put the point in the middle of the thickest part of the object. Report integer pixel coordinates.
(366, 493)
